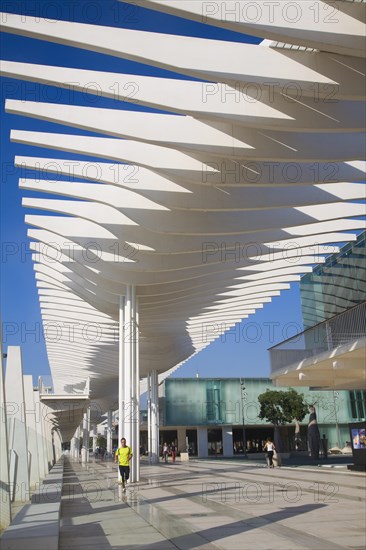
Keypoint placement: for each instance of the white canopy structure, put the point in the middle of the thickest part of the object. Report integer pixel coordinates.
(194, 219)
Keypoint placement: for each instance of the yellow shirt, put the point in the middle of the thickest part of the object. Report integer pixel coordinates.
(123, 454)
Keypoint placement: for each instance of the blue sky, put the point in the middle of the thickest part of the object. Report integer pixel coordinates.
(240, 353)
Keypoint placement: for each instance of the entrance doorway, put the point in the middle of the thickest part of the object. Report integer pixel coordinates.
(214, 437)
(169, 437)
(191, 437)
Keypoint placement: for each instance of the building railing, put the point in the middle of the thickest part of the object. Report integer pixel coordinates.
(343, 328)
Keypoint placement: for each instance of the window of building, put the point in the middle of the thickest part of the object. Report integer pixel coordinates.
(213, 400)
(358, 404)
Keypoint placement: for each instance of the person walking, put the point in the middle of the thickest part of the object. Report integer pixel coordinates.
(165, 452)
(123, 454)
(173, 450)
(270, 448)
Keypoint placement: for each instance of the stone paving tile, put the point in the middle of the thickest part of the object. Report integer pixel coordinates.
(208, 505)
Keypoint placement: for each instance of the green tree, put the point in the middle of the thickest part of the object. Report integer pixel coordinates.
(281, 407)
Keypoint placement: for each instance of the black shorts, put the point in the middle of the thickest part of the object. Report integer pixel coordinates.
(124, 472)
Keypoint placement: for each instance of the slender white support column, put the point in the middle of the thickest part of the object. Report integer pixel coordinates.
(149, 416)
(202, 441)
(129, 378)
(227, 441)
(154, 418)
(72, 447)
(121, 372)
(136, 393)
(48, 417)
(128, 350)
(14, 391)
(5, 499)
(85, 447)
(77, 444)
(42, 455)
(95, 437)
(57, 445)
(30, 415)
(109, 431)
(45, 429)
(121, 349)
(88, 432)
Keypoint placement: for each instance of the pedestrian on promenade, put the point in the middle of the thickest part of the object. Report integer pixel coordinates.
(173, 451)
(270, 448)
(123, 454)
(165, 452)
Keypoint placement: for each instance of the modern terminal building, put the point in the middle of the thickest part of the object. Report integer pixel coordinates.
(220, 417)
(335, 286)
(331, 352)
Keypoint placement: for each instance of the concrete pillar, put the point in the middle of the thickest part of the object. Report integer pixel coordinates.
(129, 378)
(127, 367)
(121, 374)
(5, 498)
(182, 444)
(109, 432)
(33, 446)
(58, 445)
(153, 428)
(48, 417)
(14, 391)
(77, 444)
(149, 416)
(202, 442)
(227, 441)
(121, 369)
(42, 454)
(135, 374)
(95, 437)
(72, 447)
(88, 433)
(85, 447)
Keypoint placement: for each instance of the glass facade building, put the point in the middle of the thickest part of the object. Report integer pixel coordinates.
(202, 401)
(336, 285)
(330, 352)
(221, 416)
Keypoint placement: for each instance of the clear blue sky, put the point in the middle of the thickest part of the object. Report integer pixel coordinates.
(240, 354)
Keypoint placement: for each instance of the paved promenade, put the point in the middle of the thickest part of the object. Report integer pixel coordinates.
(209, 505)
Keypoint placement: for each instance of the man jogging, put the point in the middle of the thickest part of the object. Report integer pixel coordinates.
(124, 455)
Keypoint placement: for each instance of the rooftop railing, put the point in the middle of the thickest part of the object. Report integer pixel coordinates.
(343, 328)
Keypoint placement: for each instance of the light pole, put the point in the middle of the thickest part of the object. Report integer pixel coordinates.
(243, 399)
(335, 397)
